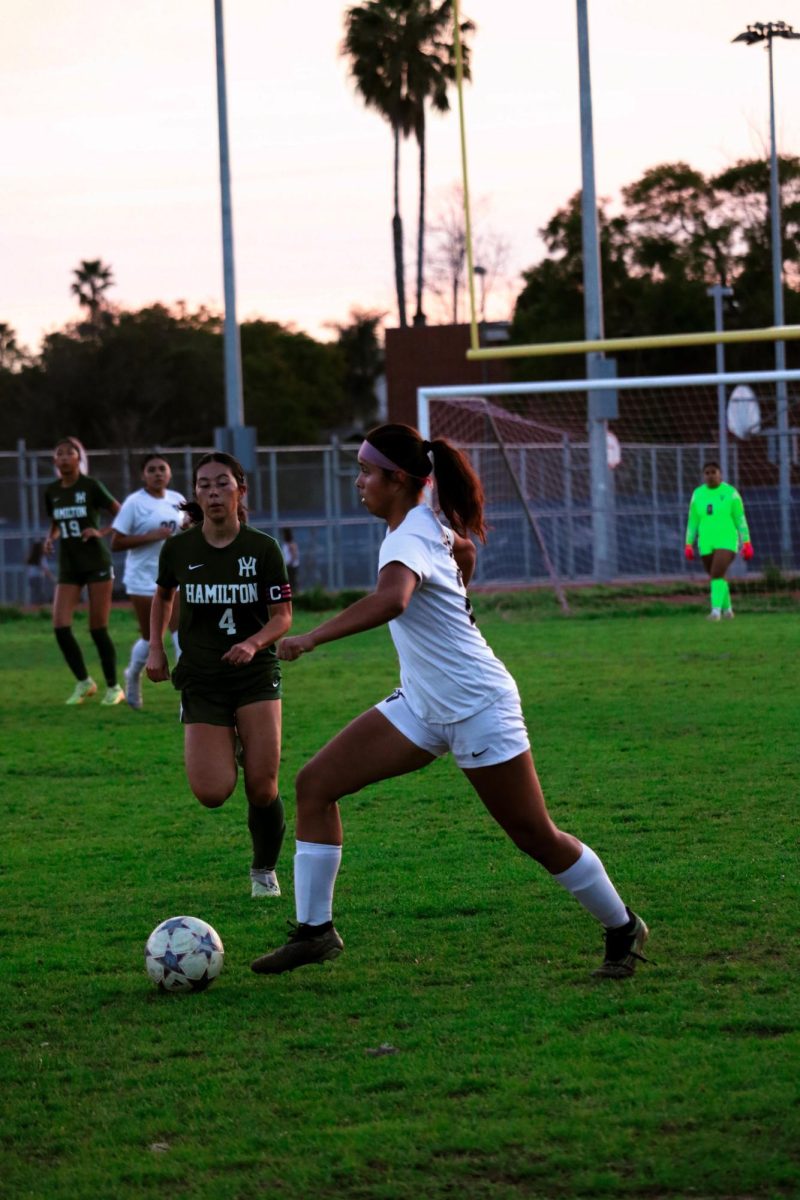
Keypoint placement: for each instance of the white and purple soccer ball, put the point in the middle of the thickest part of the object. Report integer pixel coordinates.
(183, 954)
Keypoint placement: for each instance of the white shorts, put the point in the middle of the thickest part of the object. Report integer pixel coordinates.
(139, 583)
(494, 735)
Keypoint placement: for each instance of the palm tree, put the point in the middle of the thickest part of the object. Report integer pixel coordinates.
(92, 280)
(374, 45)
(431, 66)
(402, 58)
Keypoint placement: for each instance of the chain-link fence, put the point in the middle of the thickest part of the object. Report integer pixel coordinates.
(308, 489)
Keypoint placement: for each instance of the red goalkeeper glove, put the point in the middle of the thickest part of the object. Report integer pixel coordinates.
(747, 551)
(688, 553)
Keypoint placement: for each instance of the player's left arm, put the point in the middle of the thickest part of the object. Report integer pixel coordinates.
(106, 502)
(739, 519)
(740, 522)
(278, 624)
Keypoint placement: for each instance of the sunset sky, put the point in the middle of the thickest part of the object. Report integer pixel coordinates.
(110, 141)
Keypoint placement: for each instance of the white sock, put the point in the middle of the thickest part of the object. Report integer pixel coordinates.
(176, 644)
(139, 653)
(587, 881)
(315, 868)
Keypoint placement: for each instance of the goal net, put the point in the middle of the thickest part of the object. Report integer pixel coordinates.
(575, 499)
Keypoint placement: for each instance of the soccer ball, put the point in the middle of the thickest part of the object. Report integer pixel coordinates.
(183, 954)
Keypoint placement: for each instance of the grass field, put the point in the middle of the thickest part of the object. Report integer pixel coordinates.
(502, 1070)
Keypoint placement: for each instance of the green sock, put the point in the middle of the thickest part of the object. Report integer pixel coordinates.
(726, 599)
(719, 588)
(267, 826)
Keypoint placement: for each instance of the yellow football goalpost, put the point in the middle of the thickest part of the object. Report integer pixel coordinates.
(476, 352)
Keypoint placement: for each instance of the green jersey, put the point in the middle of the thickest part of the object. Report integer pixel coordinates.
(74, 509)
(225, 596)
(716, 516)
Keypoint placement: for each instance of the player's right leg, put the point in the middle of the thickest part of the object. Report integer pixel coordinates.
(133, 672)
(369, 749)
(210, 765)
(65, 601)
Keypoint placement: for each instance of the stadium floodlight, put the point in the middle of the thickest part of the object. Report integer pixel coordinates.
(767, 31)
(481, 273)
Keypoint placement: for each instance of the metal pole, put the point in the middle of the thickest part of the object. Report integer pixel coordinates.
(234, 405)
(24, 523)
(781, 392)
(601, 481)
(717, 292)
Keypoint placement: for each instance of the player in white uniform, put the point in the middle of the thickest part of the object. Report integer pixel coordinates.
(454, 695)
(147, 517)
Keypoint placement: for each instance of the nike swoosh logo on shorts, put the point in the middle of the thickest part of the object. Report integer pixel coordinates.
(194, 566)
(479, 753)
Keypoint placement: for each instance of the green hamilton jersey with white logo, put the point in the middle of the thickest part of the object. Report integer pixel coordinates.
(716, 515)
(225, 596)
(74, 509)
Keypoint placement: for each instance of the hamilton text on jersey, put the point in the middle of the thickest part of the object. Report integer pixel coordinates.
(231, 593)
(72, 510)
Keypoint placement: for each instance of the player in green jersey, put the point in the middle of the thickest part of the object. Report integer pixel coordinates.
(235, 604)
(74, 503)
(717, 520)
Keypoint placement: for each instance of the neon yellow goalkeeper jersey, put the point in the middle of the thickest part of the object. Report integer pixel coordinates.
(716, 517)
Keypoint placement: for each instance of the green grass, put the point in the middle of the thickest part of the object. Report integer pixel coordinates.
(668, 744)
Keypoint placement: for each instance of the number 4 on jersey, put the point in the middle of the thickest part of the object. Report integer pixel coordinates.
(227, 622)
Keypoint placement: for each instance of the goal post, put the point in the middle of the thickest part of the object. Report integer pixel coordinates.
(551, 522)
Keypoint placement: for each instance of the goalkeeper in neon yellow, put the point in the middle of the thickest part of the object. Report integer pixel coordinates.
(716, 518)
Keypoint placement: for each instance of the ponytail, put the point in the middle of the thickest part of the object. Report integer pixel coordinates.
(458, 488)
(193, 511)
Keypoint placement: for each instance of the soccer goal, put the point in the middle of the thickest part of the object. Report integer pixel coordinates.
(562, 510)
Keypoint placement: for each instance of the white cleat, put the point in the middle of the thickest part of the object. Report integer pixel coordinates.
(133, 688)
(727, 614)
(715, 614)
(264, 883)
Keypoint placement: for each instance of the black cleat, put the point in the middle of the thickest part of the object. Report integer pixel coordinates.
(304, 946)
(623, 949)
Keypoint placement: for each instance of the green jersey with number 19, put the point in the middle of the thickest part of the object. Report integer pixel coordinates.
(225, 595)
(74, 509)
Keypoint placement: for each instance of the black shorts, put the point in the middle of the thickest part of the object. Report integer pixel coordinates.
(67, 574)
(215, 700)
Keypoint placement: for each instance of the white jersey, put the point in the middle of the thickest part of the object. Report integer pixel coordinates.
(448, 672)
(141, 513)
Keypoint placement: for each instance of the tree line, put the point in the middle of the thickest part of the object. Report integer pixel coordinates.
(156, 376)
(676, 233)
(124, 377)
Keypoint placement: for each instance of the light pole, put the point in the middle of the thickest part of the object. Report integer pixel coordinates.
(765, 32)
(718, 292)
(234, 437)
(602, 405)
